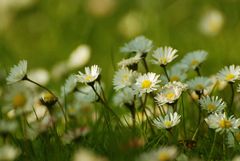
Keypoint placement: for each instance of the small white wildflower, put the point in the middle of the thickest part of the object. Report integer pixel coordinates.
(124, 96)
(8, 152)
(199, 83)
(229, 73)
(147, 83)
(194, 59)
(86, 155)
(130, 61)
(70, 84)
(170, 92)
(170, 120)
(138, 45)
(124, 78)
(40, 74)
(163, 56)
(212, 104)
(221, 123)
(91, 74)
(17, 72)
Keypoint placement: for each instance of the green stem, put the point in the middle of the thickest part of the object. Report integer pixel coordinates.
(145, 64)
(212, 148)
(183, 114)
(165, 71)
(198, 71)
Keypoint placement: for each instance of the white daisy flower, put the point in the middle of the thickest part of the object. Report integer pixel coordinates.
(147, 83)
(124, 96)
(170, 120)
(130, 61)
(138, 45)
(199, 83)
(9, 152)
(163, 56)
(174, 75)
(170, 93)
(124, 78)
(70, 84)
(17, 72)
(233, 139)
(168, 153)
(194, 59)
(221, 123)
(212, 104)
(229, 74)
(91, 74)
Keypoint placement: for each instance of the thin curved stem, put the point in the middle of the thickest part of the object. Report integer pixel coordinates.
(212, 148)
(165, 72)
(198, 71)
(145, 64)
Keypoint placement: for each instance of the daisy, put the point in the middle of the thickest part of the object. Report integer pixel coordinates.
(212, 104)
(91, 74)
(124, 96)
(229, 74)
(174, 75)
(221, 123)
(194, 59)
(199, 83)
(163, 56)
(170, 120)
(147, 83)
(17, 72)
(168, 153)
(9, 152)
(138, 45)
(70, 84)
(123, 78)
(170, 93)
(130, 61)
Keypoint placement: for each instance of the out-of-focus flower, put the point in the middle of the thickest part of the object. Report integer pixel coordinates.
(74, 134)
(8, 153)
(86, 155)
(229, 74)
(79, 57)
(70, 85)
(124, 96)
(194, 59)
(163, 56)
(101, 8)
(138, 45)
(233, 139)
(211, 22)
(132, 61)
(170, 92)
(170, 120)
(162, 154)
(212, 104)
(59, 70)
(236, 158)
(199, 83)
(40, 75)
(39, 111)
(124, 78)
(7, 126)
(48, 99)
(91, 74)
(131, 24)
(147, 83)
(17, 72)
(221, 123)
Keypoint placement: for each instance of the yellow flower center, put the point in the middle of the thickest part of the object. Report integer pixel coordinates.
(225, 123)
(168, 123)
(88, 77)
(170, 96)
(194, 62)
(211, 107)
(163, 60)
(174, 78)
(146, 84)
(164, 156)
(229, 76)
(19, 100)
(125, 78)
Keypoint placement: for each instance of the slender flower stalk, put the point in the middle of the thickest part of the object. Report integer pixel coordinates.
(212, 147)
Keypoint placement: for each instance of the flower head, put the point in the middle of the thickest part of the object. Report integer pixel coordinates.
(163, 56)
(229, 74)
(199, 83)
(70, 84)
(194, 59)
(147, 83)
(221, 123)
(124, 78)
(130, 61)
(91, 74)
(212, 104)
(124, 96)
(170, 120)
(138, 45)
(17, 72)
(9, 152)
(170, 93)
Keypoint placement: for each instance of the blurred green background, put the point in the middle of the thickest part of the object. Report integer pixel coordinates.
(46, 32)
